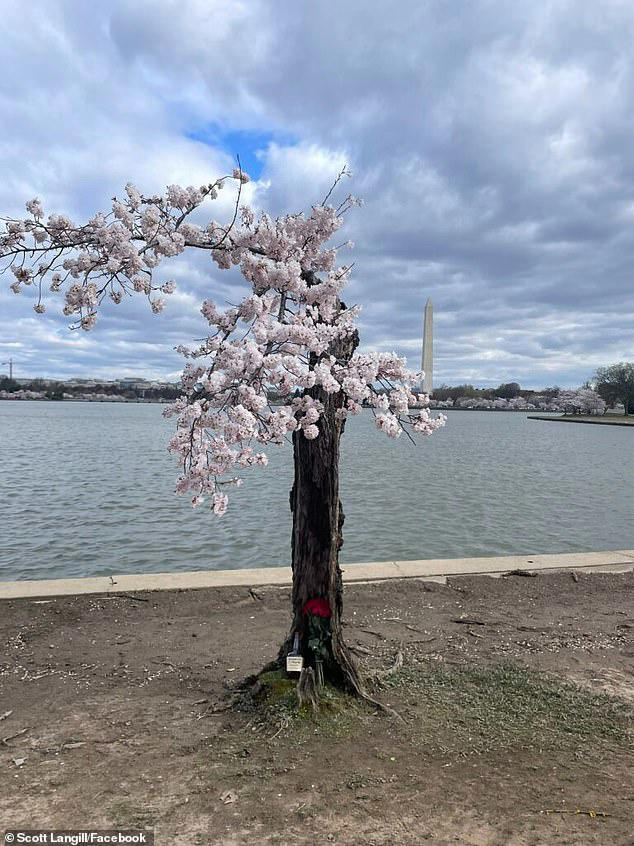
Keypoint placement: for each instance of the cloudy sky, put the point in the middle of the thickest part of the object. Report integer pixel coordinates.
(492, 142)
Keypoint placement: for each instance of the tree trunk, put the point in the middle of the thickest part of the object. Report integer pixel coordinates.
(316, 540)
(317, 535)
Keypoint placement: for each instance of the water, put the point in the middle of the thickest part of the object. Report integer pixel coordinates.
(87, 489)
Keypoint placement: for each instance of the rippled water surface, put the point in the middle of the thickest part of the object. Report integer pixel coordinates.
(87, 489)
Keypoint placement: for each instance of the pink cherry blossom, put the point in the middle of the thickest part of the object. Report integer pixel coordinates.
(282, 337)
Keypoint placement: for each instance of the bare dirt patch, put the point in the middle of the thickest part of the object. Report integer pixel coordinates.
(516, 696)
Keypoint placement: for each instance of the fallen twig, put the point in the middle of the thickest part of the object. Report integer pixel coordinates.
(283, 724)
(474, 634)
(414, 629)
(407, 625)
(468, 621)
(519, 572)
(574, 576)
(72, 744)
(5, 715)
(590, 813)
(129, 596)
(372, 632)
(5, 740)
(164, 664)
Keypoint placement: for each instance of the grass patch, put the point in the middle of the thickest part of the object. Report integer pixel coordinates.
(276, 688)
(479, 710)
(276, 706)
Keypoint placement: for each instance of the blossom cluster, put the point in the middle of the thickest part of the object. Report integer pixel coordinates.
(113, 254)
(284, 338)
(290, 336)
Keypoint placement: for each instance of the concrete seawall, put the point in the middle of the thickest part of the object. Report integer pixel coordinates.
(438, 569)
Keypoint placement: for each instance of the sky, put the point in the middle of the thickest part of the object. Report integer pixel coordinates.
(492, 143)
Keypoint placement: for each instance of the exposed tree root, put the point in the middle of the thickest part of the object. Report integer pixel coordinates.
(307, 693)
(353, 679)
(377, 676)
(345, 676)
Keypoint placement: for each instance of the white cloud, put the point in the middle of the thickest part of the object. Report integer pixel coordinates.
(491, 141)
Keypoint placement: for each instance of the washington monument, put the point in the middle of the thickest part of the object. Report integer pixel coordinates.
(427, 361)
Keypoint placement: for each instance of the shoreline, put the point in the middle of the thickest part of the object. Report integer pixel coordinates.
(435, 570)
(598, 420)
(275, 403)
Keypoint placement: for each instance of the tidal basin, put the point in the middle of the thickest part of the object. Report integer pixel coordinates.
(87, 489)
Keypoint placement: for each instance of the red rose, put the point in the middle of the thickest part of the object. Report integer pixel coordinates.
(318, 607)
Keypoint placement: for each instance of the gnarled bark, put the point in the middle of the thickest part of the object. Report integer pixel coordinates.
(317, 531)
(317, 537)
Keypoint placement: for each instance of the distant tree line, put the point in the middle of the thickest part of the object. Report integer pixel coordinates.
(57, 390)
(615, 383)
(608, 387)
(7, 384)
(507, 390)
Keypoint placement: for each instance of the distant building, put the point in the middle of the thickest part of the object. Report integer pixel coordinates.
(132, 382)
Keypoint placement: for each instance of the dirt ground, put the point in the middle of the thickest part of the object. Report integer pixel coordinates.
(114, 717)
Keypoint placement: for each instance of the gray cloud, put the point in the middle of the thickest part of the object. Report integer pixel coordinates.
(491, 141)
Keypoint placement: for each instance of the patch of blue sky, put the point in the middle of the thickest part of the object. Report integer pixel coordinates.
(249, 145)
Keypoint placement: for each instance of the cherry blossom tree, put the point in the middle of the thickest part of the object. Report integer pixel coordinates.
(580, 401)
(519, 404)
(291, 334)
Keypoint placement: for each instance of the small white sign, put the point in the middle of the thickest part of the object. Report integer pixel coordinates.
(294, 663)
